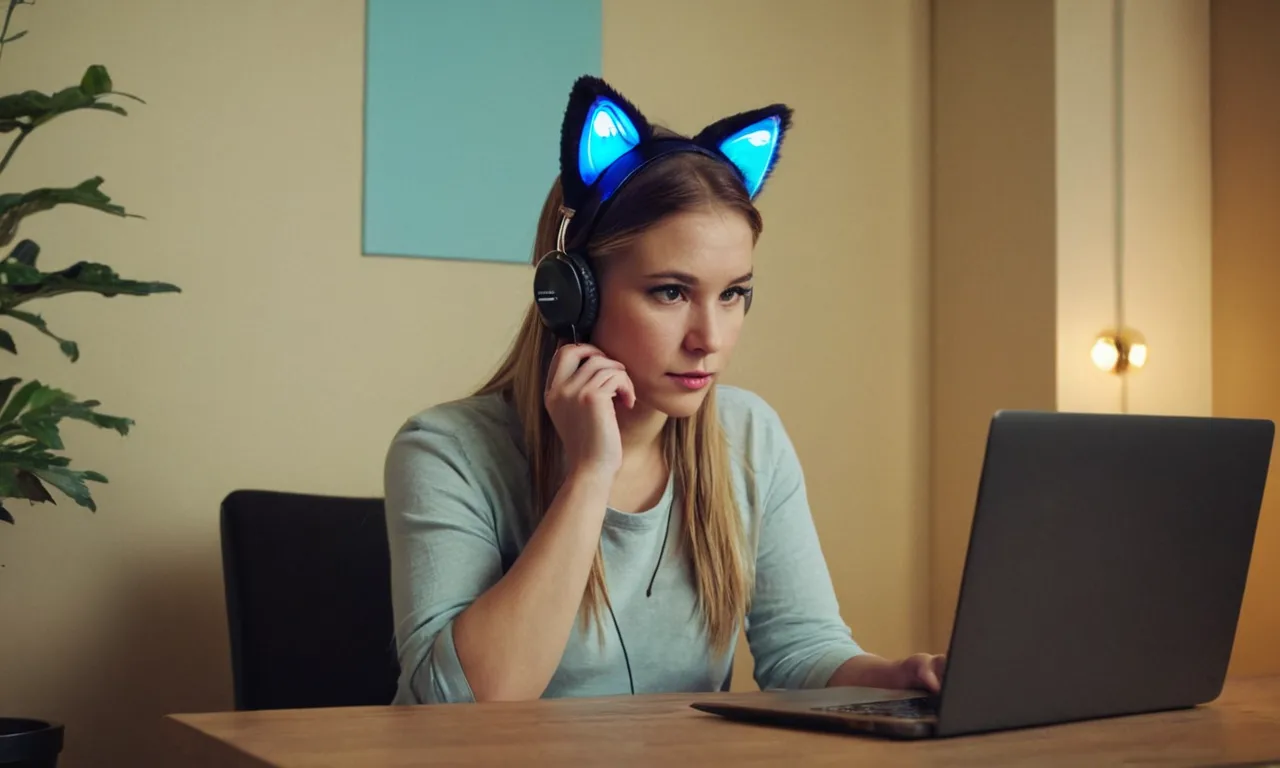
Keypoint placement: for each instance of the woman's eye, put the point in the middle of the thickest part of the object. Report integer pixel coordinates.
(668, 293)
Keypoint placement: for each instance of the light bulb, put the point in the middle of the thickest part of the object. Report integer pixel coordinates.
(1104, 353)
(1138, 354)
(1119, 351)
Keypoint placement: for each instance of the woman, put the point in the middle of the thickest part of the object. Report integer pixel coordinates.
(602, 517)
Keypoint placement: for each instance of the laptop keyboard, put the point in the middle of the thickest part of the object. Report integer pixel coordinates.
(910, 708)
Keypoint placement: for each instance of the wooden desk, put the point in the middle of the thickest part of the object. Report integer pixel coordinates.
(1242, 726)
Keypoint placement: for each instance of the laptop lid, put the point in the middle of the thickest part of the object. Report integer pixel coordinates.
(1106, 567)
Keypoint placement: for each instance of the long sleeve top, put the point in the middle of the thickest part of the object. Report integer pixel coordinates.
(457, 496)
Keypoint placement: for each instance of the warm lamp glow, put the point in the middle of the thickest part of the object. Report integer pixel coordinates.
(1104, 353)
(1119, 351)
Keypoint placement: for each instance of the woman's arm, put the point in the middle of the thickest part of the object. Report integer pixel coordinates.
(795, 629)
(797, 637)
(510, 640)
(919, 670)
(465, 630)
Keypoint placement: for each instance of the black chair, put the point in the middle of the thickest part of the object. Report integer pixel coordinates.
(308, 590)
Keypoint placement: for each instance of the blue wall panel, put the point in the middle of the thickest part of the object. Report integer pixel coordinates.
(463, 103)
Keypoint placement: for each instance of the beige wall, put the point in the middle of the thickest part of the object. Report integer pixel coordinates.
(1246, 276)
(1161, 285)
(1025, 272)
(289, 359)
(993, 251)
(1168, 203)
(1086, 272)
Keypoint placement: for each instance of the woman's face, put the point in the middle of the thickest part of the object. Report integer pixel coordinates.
(672, 305)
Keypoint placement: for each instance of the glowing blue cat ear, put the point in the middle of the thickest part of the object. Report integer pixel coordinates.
(607, 134)
(600, 126)
(753, 150)
(750, 141)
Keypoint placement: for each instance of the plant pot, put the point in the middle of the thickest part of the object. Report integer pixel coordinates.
(27, 743)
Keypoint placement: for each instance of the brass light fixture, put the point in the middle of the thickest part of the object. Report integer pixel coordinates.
(1119, 349)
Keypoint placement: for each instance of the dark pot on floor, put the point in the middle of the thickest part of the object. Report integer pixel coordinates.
(26, 743)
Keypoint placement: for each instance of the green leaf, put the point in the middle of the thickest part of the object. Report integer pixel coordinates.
(16, 206)
(31, 489)
(14, 273)
(69, 348)
(120, 424)
(6, 342)
(37, 407)
(25, 104)
(18, 402)
(45, 397)
(18, 483)
(31, 454)
(70, 483)
(64, 100)
(43, 431)
(25, 252)
(13, 459)
(96, 81)
(81, 277)
(6, 388)
(29, 432)
(30, 109)
(85, 412)
(23, 469)
(8, 482)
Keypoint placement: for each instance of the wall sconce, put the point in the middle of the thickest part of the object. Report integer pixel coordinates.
(1119, 351)
(1120, 348)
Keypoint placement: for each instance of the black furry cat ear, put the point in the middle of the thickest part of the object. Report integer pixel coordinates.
(750, 141)
(599, 126)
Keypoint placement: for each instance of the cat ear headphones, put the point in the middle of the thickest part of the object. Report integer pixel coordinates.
(604, 142)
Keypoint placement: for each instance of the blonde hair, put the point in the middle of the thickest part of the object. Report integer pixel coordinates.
(695, 448)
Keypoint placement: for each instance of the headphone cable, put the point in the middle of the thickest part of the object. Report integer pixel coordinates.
(631, 681)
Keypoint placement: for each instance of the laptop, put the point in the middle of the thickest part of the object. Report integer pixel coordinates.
(1105, 570)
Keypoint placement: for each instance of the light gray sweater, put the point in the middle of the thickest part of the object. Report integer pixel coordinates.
(457, 491)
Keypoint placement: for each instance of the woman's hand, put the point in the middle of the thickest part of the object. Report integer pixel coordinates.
(920, 671)
(582, 384)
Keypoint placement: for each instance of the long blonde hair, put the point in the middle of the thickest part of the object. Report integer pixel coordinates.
(695, 448)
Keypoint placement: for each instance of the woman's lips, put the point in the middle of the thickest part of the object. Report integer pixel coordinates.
(693, 379)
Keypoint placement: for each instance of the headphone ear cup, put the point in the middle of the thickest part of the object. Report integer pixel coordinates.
(590, 311)
(564, 291)
(556, 294)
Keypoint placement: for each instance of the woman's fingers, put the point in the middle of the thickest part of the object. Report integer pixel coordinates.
(567, 360)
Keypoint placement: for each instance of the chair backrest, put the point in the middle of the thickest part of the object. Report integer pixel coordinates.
(308, 590)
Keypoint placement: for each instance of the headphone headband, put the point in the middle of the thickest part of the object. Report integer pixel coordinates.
(601, 193)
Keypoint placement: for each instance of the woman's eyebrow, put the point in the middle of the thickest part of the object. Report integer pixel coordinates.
(685, 277)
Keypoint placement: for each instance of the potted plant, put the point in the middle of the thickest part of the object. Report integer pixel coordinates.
(30, 411)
